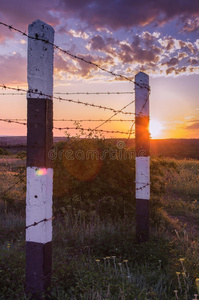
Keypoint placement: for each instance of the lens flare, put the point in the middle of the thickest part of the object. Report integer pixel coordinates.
(41, 172)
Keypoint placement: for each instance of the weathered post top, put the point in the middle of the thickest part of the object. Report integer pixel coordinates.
(40, 59)
(142, 77)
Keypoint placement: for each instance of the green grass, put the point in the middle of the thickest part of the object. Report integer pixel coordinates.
(97, 258)
(185, 181)
(182, 197)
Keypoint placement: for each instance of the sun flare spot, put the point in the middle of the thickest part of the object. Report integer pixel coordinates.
(40, 172)
(155, 128)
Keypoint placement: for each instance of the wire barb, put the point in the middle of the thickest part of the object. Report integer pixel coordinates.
(142, 187)
(36, 223)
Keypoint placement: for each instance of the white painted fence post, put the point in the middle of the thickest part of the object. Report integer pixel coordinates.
(142, 164)
(39, 166)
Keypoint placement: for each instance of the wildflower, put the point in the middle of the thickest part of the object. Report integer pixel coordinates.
(181, 259)
(97, 261)
(179, 283)
(184, 276)
(197, 281)
(108, 257)
(178, 275)
(176, 294)
(8, 245)
(197, 284)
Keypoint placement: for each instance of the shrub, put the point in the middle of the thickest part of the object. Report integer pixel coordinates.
(96, 175)
(4, 151)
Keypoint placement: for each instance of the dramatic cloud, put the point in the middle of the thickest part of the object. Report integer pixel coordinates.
(67, 68)
(114, 33)
(172, 62)
(176, 70)
(193, 61)
(191, 25)
(127, 13)
(97, 43)
(194, 126)
(25, 12)
(102, 13)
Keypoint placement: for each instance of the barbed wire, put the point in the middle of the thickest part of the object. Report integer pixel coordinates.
(67, 100)
(142, 187)
(131, 130)
(36, 223)
(77, 120)
(76, 57)
(11, 187)
(114, 115)
(12, 94)
(74, 93)
(146, 100)
(70, 128)
(53, 217)
(91, 130)
(77, 101)
(15, 122)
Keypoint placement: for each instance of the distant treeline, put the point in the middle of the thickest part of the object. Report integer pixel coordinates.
(175, 148)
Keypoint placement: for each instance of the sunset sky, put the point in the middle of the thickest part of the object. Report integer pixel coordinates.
(159, 37)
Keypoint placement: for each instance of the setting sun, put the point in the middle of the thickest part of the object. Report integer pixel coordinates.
(155, 128)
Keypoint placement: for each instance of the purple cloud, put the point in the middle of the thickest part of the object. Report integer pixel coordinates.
(172, 62)
(102, 13)
(127, 13)
(194, 126)
(25, 12)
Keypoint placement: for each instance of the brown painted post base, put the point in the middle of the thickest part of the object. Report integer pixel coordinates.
(38, 269)
(142, 220)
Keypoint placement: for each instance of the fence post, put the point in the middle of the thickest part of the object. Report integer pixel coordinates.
(39, 166)
(142, 164)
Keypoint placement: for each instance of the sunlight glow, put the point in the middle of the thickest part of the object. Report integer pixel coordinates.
(155, 128)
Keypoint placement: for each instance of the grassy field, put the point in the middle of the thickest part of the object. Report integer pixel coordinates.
(95, 258)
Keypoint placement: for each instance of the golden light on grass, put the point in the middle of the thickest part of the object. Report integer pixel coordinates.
(155, 128)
